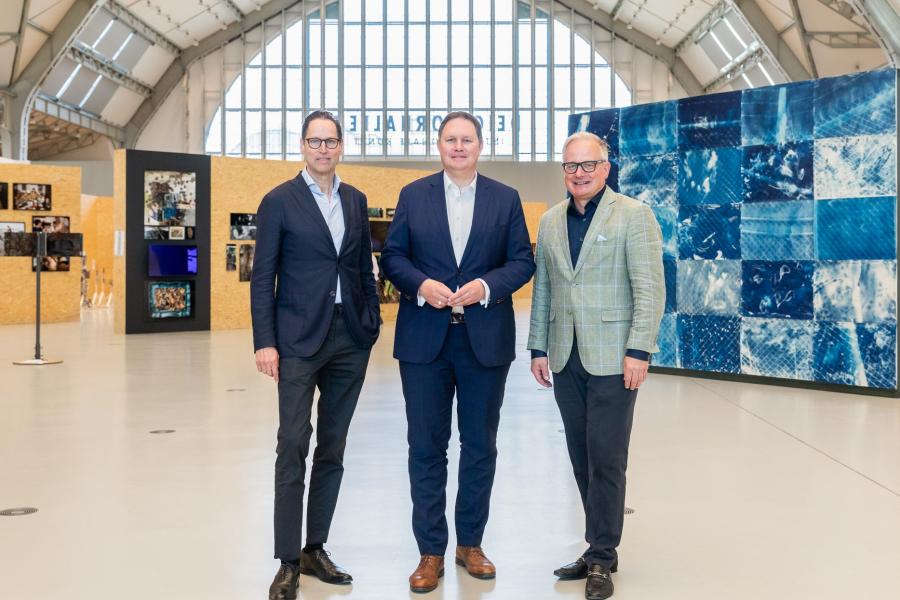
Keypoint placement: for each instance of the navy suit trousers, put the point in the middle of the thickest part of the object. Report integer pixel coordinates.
(429, 390)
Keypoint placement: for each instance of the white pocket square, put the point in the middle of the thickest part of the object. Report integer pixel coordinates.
(600, 237)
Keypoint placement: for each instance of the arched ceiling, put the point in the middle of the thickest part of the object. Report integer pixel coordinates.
(114, 62)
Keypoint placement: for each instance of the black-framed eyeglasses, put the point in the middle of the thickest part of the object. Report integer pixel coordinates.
(588, 166)
(330, 143)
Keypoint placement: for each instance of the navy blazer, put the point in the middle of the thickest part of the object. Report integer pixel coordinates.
(295, 271)
(419, 247)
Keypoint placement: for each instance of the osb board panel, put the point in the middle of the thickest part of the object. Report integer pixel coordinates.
(97, 223)
(119, 225)
(60, 291)
(238, 185)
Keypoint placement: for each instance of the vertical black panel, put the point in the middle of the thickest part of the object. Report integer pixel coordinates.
(137, 316)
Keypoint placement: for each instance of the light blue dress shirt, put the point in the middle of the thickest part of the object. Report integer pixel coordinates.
(333, 214)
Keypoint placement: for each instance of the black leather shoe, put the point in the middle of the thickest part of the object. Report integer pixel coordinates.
(319, 563)
(599, 584)
(284, 587)
(579, 570)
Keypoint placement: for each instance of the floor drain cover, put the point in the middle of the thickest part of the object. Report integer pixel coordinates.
(163, 431)
(629, 511)
(17, 512)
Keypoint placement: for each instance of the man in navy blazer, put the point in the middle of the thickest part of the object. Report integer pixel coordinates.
(457, 250)
(315, 319)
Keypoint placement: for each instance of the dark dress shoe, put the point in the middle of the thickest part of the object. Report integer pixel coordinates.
(599, 584)
(284, 586)
(319, 564)
(579, 569)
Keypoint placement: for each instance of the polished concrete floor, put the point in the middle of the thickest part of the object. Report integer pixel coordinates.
(739, 491)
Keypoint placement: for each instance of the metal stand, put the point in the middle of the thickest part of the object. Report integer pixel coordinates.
(40, 253)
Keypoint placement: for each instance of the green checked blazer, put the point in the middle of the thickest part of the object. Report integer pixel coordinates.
(612, 300)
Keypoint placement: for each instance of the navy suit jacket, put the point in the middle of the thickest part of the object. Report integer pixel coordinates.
(419, 247)
(295, 271)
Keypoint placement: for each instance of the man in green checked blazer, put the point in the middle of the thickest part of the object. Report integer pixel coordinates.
(599, 294)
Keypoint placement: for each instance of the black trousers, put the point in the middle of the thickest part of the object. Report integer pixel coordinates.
(429, 390)
(338, 370)
(597, 413)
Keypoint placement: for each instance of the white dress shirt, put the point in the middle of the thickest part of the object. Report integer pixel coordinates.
(460, 212)
(333, 214)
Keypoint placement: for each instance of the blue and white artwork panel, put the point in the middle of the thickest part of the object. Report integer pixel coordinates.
(861, 354)
(709, 232)
(651, 179)
(668, 355)
(710, 343)
(854, 167)
(710, 176)
(783, 172)
(777, 348)
(777, 289)
(778, 230)
(777, 114)
(857, 291)
(667, 217)
(709, 287)
(857, 104)
(856, 228)
(710, 121)
(649, 129)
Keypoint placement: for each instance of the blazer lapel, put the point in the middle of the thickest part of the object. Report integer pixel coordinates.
(562, 228)
(439, 211)
(479, 216)
(307, 203)
(604, 212)
(347, 209)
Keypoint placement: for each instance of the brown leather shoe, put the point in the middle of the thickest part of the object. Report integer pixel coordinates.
(425, 577)
(475, 562)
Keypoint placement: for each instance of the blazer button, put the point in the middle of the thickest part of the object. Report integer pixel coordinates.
(332, 293)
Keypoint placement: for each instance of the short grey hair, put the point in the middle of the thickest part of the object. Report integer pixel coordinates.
(587, 135)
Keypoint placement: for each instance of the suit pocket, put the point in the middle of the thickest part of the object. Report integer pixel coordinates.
(616, 314)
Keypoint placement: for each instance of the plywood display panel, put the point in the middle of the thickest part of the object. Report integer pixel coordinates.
(60, 292)
(97, 225)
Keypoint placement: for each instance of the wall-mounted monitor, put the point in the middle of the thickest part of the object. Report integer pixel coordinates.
(169, 260)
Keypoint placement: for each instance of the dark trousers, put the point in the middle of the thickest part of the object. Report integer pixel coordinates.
(338, 370)
(597, 413)
(429, 391)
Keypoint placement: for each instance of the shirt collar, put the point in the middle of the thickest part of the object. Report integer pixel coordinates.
(448, 182)
(593, 203)
(314, 187)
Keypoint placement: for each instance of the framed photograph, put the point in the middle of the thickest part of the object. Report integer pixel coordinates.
(4, 196)
(53, 264)
(176, 233)
(12, 227)
(170, 198)
(243, 226)
(169, 299)
(50, 224)
(32, 196)
(247, 253)
(230, 257)
(188, 233)
(16, 243)
(390, 212)
(156, 233)
(376, 213)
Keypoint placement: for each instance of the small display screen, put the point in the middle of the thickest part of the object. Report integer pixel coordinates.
(165, 260)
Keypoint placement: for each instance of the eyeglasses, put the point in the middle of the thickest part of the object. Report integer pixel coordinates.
(330, 143)
(587, 166)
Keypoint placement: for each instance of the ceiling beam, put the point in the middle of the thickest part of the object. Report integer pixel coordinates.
(99, 64)
(804, 39)
(135, 22)
(702, 27)
(237, 12)
(178, 69)
(750, 61)
(26, 85)
(768, 35)
(23, 21)
(885, 24)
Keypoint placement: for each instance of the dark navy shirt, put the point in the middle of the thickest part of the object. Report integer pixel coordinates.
(578, 225)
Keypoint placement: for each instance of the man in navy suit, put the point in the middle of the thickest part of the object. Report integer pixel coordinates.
(315, 319)
(457, 250)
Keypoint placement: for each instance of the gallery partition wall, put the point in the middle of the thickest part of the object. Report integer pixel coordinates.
(778, 208)
(167, 208)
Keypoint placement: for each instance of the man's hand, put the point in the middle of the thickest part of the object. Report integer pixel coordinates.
(635, 372)
(435, 293)
(267, 362)
(540, 368)
(471, 293)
